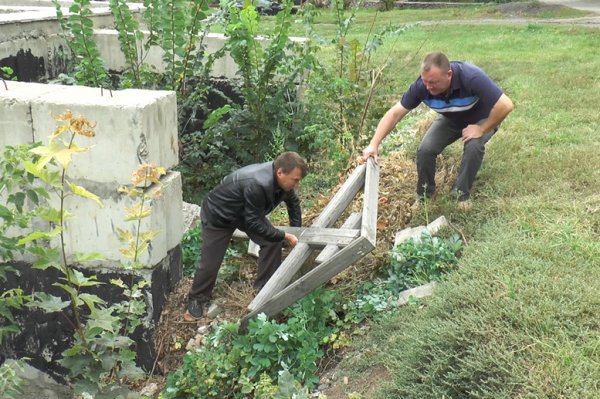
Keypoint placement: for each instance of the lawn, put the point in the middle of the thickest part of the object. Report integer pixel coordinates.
(521, 317)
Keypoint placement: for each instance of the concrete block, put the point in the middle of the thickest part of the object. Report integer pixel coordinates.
(415, 233)
(94, 228)
(107, 41)
(132, 127)
(421, 291)
(15, 111)
(191, 216)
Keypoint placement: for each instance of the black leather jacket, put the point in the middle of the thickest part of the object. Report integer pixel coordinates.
(245, 197)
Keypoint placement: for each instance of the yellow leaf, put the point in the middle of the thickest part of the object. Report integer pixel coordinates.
(137, 212)
(63, 156)
(149, 235)
(82, 192)
(127, 252)
(58, 131)
(45, 154)
(32, 168)
(124, 235)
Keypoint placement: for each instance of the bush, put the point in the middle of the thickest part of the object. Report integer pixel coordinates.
(415, 262)
(230, 365)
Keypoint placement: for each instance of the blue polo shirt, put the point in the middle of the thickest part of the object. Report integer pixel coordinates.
(471, 97)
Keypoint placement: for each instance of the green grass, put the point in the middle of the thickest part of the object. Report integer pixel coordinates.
(326, 23)
(521, 317)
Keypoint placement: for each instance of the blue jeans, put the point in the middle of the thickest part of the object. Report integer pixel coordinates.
(441, 134)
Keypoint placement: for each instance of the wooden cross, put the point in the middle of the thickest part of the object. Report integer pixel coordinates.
(342, 247)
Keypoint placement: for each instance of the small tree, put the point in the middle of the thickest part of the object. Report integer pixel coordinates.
(101, 358)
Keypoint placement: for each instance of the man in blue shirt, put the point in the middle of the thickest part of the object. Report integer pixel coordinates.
(470, 107)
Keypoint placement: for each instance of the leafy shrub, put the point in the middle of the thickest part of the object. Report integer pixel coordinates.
(418, 262)
(230, 365)
(101, 358)
(191, 243)
(341, 95)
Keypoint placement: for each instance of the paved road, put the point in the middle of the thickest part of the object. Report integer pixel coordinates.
(586, 5)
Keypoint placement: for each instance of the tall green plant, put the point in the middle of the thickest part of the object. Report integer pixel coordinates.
(17, 189)
(130, 39)
(176, 30)
(347, 87)
(79, 29)
(269, 69)
(269, 66)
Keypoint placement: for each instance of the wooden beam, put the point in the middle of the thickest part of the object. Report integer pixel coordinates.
(342, 198)
(313, 279)
(353, 222)
(368, 228)
(317, 236)
(302, 251)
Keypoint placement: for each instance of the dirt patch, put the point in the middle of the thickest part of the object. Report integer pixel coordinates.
(340, 386)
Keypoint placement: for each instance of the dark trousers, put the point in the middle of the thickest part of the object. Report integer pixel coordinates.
(441, 134)
(214, 244)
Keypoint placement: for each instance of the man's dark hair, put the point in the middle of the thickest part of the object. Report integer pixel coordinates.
(435, 59)
(290, 160)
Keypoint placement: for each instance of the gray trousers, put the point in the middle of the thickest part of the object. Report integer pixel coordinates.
(214, 244)
(441, 134)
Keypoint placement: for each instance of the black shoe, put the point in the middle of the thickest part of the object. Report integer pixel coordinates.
(196, 308)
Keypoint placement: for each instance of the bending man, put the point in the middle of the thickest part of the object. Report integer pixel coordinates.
(242, 201)
(470, 107)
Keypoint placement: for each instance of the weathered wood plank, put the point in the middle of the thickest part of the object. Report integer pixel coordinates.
(313, 279)
(370, 199)
(290, 265)
(342, 198)
(317, 236)
(302, 251)
(353, 222)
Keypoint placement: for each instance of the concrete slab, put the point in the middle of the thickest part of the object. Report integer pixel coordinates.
(94, 228)
(15, 111)
(132, 127)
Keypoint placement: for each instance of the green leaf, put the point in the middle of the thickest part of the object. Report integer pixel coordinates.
(50, 214)
(91, 300)
(103, 319)
(5, 213)
(47, 302)
(71, 291)
(78, 279)
(36, 235)
(81, 257)
(19, 200)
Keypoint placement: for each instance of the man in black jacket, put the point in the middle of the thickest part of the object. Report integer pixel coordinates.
(242, 201)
